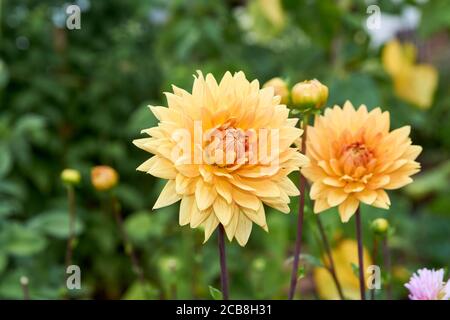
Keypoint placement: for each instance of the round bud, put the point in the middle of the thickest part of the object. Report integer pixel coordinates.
(71, 177)
(104, 178)
(309, 94)
(280, 87)
(380, 226)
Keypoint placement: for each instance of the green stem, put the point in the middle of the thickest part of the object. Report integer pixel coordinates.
(360, 254)
(129, 250)
(24, 285)
(375, 258)
(331, 267)
(387, 266)
(301, 213)
(72, 217)
(223, 263)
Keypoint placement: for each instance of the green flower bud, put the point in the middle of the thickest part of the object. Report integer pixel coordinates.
(309, 94)
(380, 226)
(71, 177)
(259, 264)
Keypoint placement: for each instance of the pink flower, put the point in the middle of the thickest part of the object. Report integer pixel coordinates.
(428, 285)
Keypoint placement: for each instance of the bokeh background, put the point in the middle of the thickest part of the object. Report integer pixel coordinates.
(76, 98)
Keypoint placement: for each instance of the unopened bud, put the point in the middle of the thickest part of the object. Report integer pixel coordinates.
(280, 87)
(24, 281)
(380, 226)
(71, 176)
(104, 178)
(309, 94)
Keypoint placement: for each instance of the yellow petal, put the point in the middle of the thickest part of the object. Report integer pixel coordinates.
(222, 210)
(336, 197)
(224, 189)
(258, 217)
(246, 199)
(367, 196)
(348, 208)
(289, 187)
(168, 196)
(243, 230)
(230, 228)
(205, 194)
(333, 182)
(159, 167)
(210, 225)
(198, 216)
(185, 209)
(382, 201)
(320, 205)
(417, 85)
(280, 206)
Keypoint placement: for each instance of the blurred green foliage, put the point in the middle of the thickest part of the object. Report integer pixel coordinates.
(76, 99)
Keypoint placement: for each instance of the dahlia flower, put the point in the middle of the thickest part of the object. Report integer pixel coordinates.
(225, 150)
(428, 285)
(354, 158)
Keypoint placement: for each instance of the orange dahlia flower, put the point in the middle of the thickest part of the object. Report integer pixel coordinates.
(354, 158)
(211, 145)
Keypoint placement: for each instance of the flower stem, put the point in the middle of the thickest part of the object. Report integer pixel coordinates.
(127, 243)
(387, 266)
(223, 263)
(301, 212)
(360, 254)
(72, 216)
(331, 268)
(374, 257)
(25, 288)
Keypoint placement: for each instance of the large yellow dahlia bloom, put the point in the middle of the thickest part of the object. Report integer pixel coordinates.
(354, 158)
(210, 143)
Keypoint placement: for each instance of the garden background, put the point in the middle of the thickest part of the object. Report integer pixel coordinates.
(76, 98)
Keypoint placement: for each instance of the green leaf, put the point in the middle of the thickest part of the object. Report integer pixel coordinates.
(216, 294)
(433, 180)
(22, 241)
(301, 272)
(8, 207)
(140, 119)
(5, 160)
(3, 262)
(355, 269)
(358, 88)
(4, 75)
(139, 225)
(55, 223)
(137, 291)
(310, 259)
(435, 17)
(29, 123)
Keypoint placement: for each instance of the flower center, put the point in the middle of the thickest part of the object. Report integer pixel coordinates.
(227, 145)
(356, 154)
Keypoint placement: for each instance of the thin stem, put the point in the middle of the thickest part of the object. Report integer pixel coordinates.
(301, 213)
(72, 216)
(223, 264)
(331, 268)
(25, 289)
(129, 250)
(360, 254)
(375, 256)
(387, 266)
